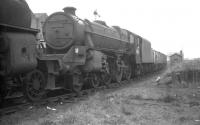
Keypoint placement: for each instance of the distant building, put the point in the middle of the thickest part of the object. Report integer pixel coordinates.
(37, 22)
(176, 58)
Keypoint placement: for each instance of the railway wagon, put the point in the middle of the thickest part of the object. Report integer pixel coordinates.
(147, 59)
(160, 60)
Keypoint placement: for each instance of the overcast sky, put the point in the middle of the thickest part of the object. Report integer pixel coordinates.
(170, 25)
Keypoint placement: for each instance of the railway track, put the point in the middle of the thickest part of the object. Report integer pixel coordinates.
(68, 97)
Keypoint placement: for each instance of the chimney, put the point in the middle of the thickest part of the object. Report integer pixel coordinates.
(70, 10)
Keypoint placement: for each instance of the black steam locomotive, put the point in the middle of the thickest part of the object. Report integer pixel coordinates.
(78, 53)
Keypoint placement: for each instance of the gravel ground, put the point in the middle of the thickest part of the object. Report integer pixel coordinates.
(144, 102)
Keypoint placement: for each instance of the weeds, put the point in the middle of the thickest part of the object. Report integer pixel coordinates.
(71, 119)
(47, 122)
(194, 103)
(184, 119)
(125, 111)
(167, 99)
(138, 97)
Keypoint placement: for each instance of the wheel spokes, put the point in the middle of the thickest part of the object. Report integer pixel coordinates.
(34, 87)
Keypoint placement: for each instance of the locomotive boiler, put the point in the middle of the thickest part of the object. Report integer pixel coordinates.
(62, 29)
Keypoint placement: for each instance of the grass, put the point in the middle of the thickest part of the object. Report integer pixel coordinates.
(125, 110)
(47, 122)
(139, 105)
(168, 99)
(106, 109)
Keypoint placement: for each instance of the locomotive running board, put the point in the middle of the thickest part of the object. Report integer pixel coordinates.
(6, 26)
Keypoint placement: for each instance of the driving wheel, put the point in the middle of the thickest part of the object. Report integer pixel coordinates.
(34, 85)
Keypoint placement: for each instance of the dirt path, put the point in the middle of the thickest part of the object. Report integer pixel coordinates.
(142, 103)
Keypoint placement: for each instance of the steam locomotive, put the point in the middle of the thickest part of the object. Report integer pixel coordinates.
(78, 53)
